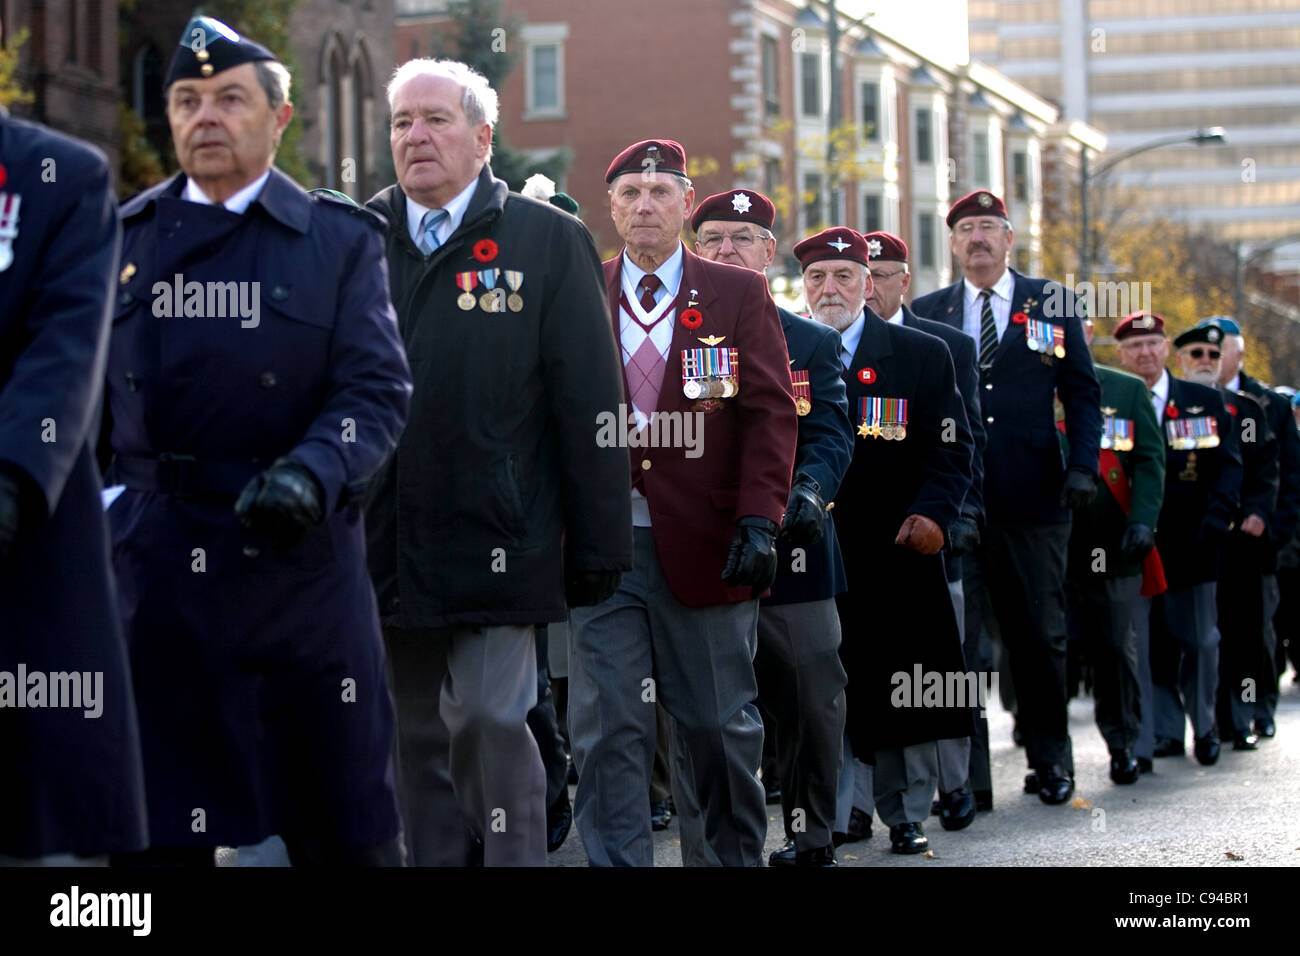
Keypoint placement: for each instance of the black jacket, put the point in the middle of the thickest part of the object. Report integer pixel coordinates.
(499, 463)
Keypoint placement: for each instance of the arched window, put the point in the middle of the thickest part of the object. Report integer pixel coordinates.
(147, 95)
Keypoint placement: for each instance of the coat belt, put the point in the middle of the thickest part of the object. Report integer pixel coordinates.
(184, 474)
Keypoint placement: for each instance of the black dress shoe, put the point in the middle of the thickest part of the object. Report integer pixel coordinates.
(859, 829)
(785, 856)
(559, 818)
(958, 811)
(1207, 750)
(772, 794)
(983, 800)
(821, 857)
(1032, 783)
(908, 838)
(1245, 741)
(936, 807)
(1266, 728)
(1056, 789)
(1124, 767)
(1168, 747)
(1145, 765)
(660, 815)
(1016, 736)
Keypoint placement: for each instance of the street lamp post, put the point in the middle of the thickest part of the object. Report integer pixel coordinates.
(1214, 134)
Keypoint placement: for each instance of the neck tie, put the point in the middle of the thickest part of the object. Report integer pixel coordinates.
(649, 285)
(988, 330)
(429, 228)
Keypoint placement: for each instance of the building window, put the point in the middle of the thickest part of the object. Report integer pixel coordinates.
(771, 176)
(812, 205)
(810, 71)
(925, 240)
(924, 136)
(980, 159)
(771, 91)
(544, 69)
(1020, 176)
(871, 112)
(873, 213)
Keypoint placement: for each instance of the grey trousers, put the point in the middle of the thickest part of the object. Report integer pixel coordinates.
(1186, 679)
(1105, 608)
(1146, 744)
(468, 765)
(639, 646)
(903, 783)
(964, 761)
(801, 680)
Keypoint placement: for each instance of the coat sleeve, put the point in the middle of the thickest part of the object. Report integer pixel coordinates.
(369, 389)
(826, 432)
(768, 421)
(968, 384)
(1225, 496)
(584, 380)
(1288, 497)
(1080, 392)
(1146, 461)
(948, 467)
(1259, 458)
(48, 402)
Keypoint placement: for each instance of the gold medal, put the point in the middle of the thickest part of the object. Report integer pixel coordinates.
(515, 302)
(465, 300)
(1059, 351)
(802, 405)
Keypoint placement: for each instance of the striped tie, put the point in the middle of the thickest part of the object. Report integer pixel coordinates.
(988, 330)
(429, 229)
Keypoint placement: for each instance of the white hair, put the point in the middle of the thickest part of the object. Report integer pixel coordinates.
(539, 186)
(478, 99)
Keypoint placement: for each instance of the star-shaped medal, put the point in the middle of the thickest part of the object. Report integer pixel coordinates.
(873, 248)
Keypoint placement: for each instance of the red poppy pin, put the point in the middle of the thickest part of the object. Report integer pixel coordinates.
(866, 375)
(485, 250)
(1020, 318)
(1171, 410)
(1232, 410)
(692, 319)
(4, 176)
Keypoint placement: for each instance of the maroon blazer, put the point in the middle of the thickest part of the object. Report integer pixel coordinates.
(744, 445)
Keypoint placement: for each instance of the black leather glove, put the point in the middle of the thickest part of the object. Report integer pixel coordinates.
(587, 588)
(751, 559)
(963, 535)
(1078, 489)
(10, 512)
(1137, 542)
(282, 503)
(1212, 532)
(805, 512)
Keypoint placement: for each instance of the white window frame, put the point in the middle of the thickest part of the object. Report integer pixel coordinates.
(536, 35)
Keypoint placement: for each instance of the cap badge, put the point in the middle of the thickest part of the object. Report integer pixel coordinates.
(873, 248)
(740, 202)
(839, 245)
(985, 200)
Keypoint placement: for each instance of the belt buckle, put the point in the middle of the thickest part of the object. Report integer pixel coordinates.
(178, 474)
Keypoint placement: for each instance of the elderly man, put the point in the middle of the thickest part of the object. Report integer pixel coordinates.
(1202, 493)
(501, 502)
(255, 381)
(800, 676)
(714, 427)
(73, 790)
(1031, 350)
(1286, 517)
(965, 779)
(894, 513)
(1240, 591)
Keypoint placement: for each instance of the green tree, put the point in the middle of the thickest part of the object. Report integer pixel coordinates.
(482, 37)
(10, 90)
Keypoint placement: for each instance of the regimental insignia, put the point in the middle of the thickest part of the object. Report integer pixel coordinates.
(128, 270)
(1107, 410)
(1044, 337)
(710, 373)
(740, 202)
(1195, 409)
(1029, 304)
(802, 391)
(1116, 433)
(1189, 470)
(1144, 322)
(712, 339)
(873, 248)
(839, 245)
(985, 200)
(466, 282)
(514, 279)
(1188, 433)
(882, 417)
(1213, 335)
(9, 203)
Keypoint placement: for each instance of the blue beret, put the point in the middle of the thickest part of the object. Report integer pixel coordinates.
(1221, 322)
(208, 46)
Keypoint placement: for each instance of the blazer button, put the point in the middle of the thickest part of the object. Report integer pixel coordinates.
(279, 293)
(645, 464)
(267, 380)
(989, 419)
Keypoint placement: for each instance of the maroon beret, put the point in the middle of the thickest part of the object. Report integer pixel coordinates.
(735, 205)
(649, 156)
(885, 247)
(1139, 323)
(837, 242)
(979, 203)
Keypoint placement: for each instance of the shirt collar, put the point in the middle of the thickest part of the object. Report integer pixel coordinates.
(669, 271)
(238, 203)
(1161, 387)
(897, 317)
(1235, 384)
(851, 336)
(455, 212)
(1002, 289)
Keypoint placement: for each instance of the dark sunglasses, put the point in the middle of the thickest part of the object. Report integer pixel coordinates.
(1200, 353)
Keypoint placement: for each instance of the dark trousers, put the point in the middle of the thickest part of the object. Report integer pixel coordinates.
(1103, 609)
(543, 721)
(1287, 619)
(1023, 567)
(1241, 634)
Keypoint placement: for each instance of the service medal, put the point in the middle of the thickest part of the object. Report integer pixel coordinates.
(489, 300)
(1032, 343)
(514, 279)
(9, 203)
(802, 405)
(466, 281)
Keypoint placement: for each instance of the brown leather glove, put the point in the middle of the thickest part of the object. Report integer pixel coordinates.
(920, 534)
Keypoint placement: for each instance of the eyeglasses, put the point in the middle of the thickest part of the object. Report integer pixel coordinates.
(968, 226)
(742, 240)
(1199, 353)
(887, 275)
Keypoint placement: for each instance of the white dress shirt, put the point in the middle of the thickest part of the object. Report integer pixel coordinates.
(237, 203)
(1000, 303)
(897, 317)
(1160, 396)
(455, 215)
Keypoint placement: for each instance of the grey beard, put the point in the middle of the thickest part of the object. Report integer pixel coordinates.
(1209, 378)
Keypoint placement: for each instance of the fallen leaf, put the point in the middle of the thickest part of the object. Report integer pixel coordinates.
(931, 855)
(1245, 783)
(1081, 803)
(674, 842)
(850, 856)
(1232, 856)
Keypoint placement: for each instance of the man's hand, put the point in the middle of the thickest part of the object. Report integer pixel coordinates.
(751, 558)
(282, 503)
(1078, 489)
(10, 510)
(920, 534)
(1254, 526)
(588, 588)
(1137, 542)
(963, 535)
(1212, 532)
(805, 512)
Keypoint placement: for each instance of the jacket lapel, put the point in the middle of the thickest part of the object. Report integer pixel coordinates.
(694, 278)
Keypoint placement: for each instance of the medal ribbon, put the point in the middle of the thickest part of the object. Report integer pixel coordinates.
(466, 281)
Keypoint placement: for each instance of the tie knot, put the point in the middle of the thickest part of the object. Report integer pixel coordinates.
(650, 283)
(432, 219)
(986, 294)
